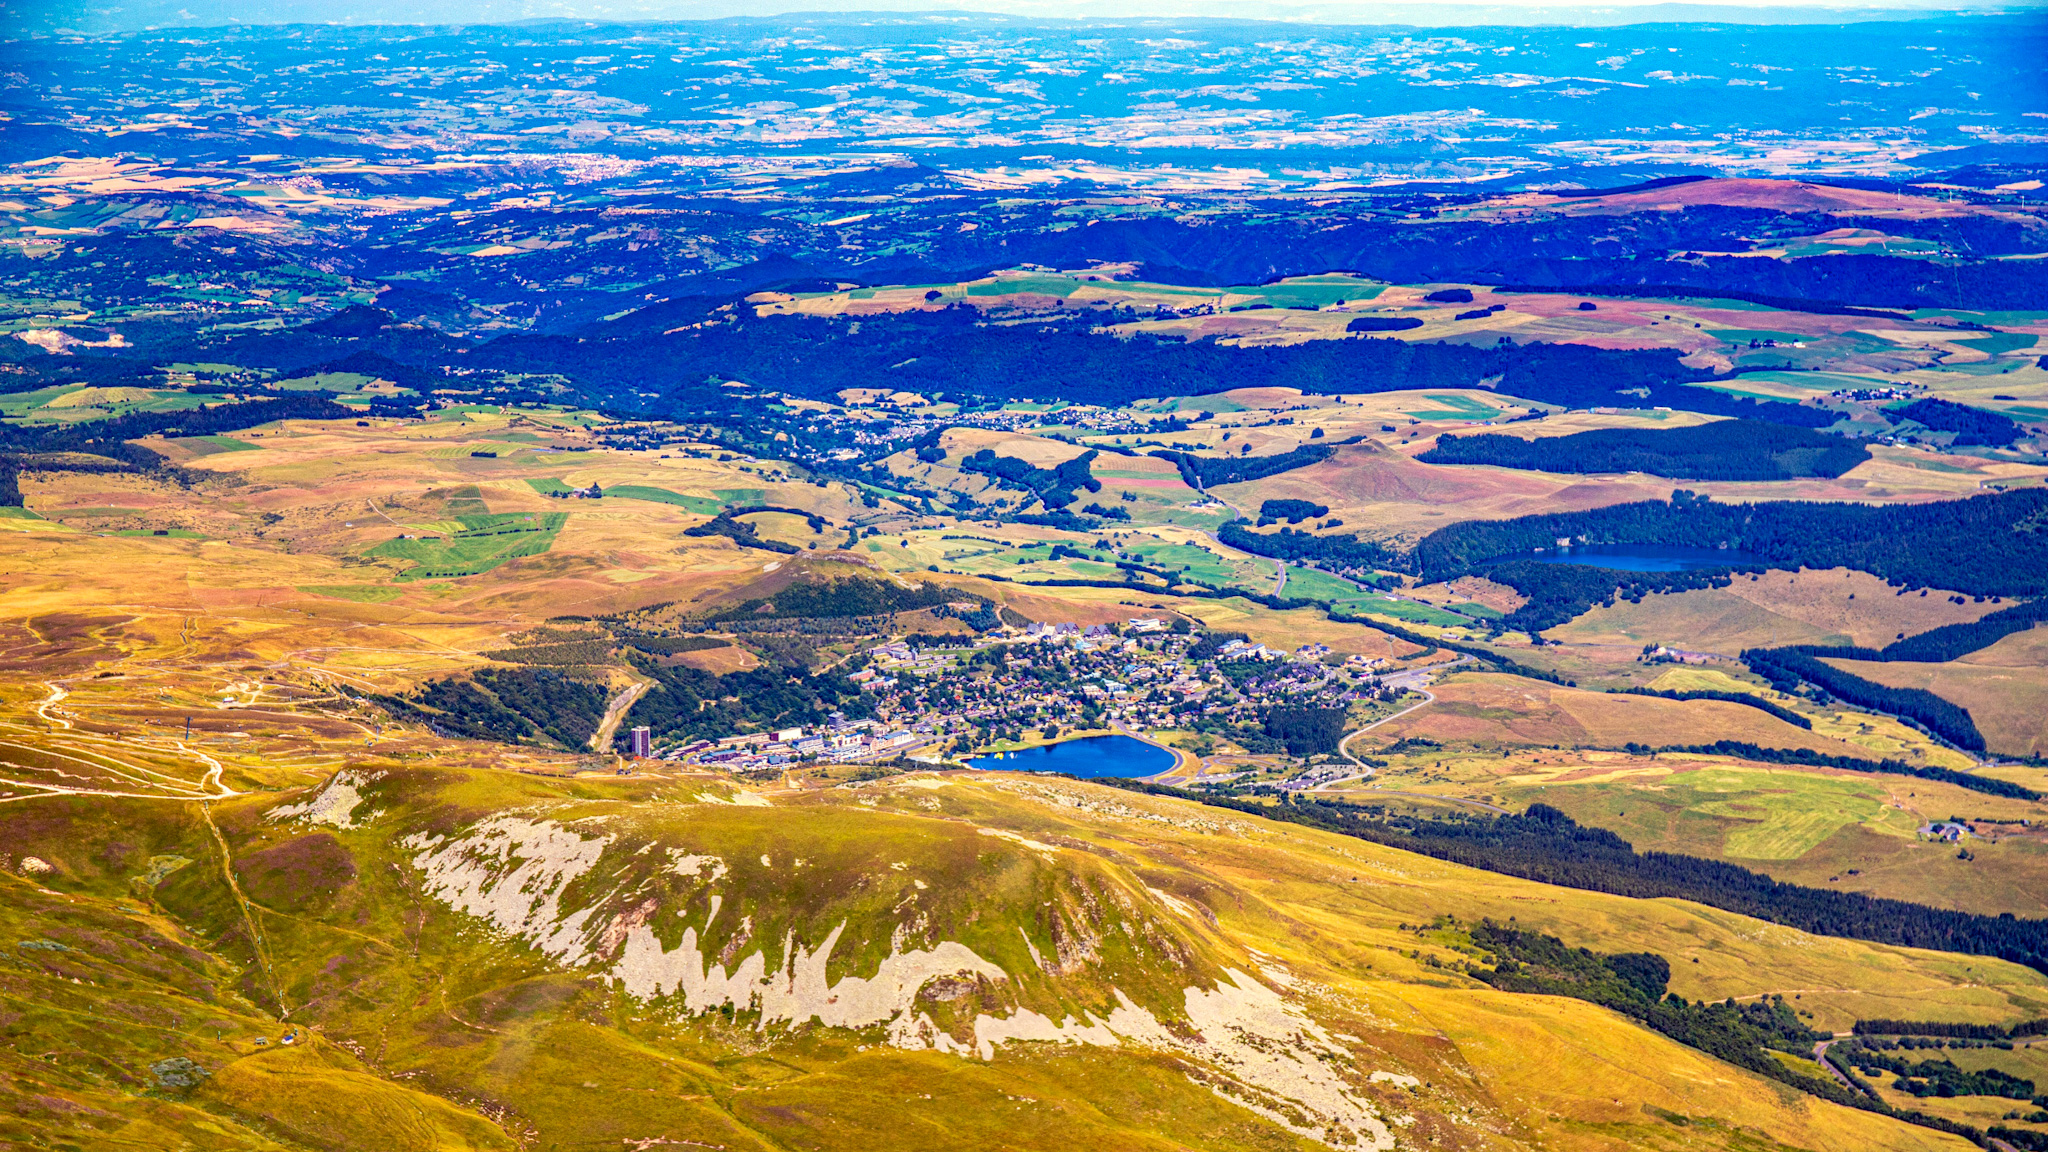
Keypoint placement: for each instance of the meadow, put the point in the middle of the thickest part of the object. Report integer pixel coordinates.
(230, 831)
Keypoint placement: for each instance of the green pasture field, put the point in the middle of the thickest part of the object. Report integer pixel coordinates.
(1124, 474)
(1790, 384)
(169, 533)
(1199, 563)
(360, 593)
(1073, 570)
(214, 445)
(547, 484)
(1761, 815)
(16, 513)
(1995, 319)
(1313, 584)
(1178, 404)
(1893, 246)
(1313, 291)
(327, 381)
(1061, 286)
(21, 403)
(1316, 584)
(1995, 343)
(1744, 335)
(1458, 408)
(871, 293)
(483, 543)
(34, 406)
(1993, 367)
(1832, 830)
(467, 500)
(1745, 393)
(700, 504)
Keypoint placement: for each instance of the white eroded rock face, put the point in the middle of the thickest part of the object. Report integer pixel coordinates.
(798, 991)
(335, 805)
(1263, 1053)
(509, 873)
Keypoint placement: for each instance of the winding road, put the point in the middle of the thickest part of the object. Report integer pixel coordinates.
(99, 770)
(1365, 770)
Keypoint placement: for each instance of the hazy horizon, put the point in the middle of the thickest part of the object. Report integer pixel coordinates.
(59, 16)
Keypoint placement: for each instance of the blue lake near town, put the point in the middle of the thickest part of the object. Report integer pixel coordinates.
(1088, 756)
(1645, 557)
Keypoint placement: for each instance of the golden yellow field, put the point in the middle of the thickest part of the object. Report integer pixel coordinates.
(1838, 606)
(2005, 688)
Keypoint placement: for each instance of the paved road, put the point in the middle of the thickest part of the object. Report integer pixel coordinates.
(615, 712)
(1365, 771)
(1413, 680)
(1410, 680)
(1344, 745)
(1820, 1052)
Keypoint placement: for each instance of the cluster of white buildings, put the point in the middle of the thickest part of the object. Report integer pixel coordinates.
(841, 740)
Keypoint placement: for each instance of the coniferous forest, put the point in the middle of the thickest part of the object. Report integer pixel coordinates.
(1721, 450)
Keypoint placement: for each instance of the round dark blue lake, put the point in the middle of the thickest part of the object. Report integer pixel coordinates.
(1644, 557)
(1088, 756)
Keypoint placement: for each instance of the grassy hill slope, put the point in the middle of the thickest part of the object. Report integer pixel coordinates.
(924, 961)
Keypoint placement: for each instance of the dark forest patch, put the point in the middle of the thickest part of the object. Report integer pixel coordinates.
(1722, 450)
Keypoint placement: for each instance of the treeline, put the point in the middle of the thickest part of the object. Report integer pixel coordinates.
(509, 705)
(849, 596)
(1786, 667)
(672, 645)
(378, 366)
(741, 533)
(1634, 984)
(207, 420)
(1545, 845)
(1346, 550)
(1505, 664)
(1954, 641)
(1989, 785)
(1557, 255)
(816, 522)
(687, 704)
(1747, 699)
(1054, 487)
(1983, 545)
(568, 653)
(1972, 426)
(109, 437)
(1925, 1078)
(1201, 472)
(1721, 450)
(1292, 511)
(1555, 593)
(1952, 1029)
